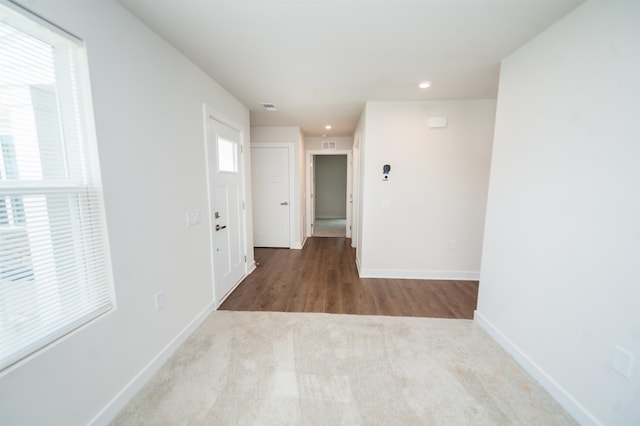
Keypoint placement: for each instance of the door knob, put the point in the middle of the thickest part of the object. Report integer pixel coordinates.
(285, 203)
(218, 227)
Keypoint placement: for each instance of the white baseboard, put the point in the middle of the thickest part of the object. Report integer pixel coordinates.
(557, 392)
(298, 245)
(109, 412)
(420, 275)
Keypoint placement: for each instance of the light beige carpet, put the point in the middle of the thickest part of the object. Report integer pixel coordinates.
(329, 228)
(271, 368)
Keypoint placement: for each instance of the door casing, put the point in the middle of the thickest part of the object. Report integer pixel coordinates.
(309, 186)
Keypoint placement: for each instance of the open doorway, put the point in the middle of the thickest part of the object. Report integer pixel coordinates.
(330, 178)
(329, 185)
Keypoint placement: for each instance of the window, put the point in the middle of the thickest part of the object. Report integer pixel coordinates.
(227, 156)
(54, 264)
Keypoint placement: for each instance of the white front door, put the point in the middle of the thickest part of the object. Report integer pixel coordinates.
(224, 151)
(270, 191)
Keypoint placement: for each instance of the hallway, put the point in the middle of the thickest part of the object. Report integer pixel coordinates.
(322, 277)
(329, 227)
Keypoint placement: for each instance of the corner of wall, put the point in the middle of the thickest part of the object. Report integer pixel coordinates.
(557, 392)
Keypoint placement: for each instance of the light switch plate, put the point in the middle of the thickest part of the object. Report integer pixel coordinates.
(193, 217)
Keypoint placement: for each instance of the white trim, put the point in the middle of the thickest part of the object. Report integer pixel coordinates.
(292, 194)
(419, 274)
(301, 245)
(27, 13)
(122, 398)
(308, 166)
(557, 392)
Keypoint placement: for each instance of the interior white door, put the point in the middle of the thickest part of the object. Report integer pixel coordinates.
(227, 215)
(270, 191)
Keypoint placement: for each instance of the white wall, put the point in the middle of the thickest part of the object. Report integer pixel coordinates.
(148, 106)
(291, 135)
(559, 285)
(331, 186)
(436, 192)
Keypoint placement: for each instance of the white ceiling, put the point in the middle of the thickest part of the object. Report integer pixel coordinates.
(319, 61)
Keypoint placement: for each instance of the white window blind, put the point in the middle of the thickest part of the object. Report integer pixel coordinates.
(54, 265)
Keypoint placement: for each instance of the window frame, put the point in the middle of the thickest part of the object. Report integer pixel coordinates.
(81, 186)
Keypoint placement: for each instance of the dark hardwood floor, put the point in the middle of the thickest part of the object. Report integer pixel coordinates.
(322, 277)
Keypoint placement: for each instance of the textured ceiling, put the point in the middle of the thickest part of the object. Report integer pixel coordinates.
(320, 61)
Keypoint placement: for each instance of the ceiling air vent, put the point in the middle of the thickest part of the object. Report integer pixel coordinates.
(269, 107)
(328, 145)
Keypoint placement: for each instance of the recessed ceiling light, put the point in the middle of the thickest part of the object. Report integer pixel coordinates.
(424, 84)
(328, 127)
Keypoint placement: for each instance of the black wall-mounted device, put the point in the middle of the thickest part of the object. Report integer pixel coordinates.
(385, 171)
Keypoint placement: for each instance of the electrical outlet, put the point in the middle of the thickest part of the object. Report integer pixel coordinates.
(160, 300)
(193, 217)
(622, 362)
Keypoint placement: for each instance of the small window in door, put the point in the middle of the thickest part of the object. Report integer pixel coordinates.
(227, 156)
